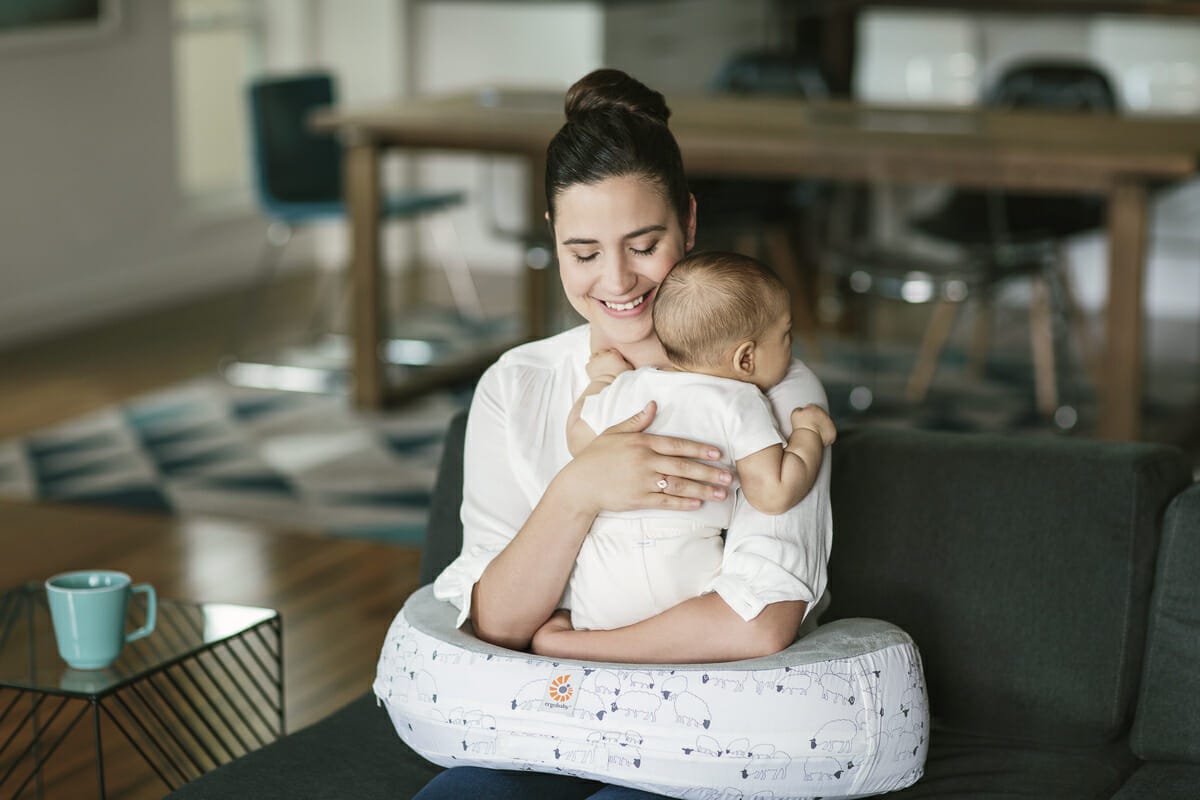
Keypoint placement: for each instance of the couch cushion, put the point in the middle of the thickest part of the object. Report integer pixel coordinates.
(1162, 782)
(443, 535)
(1021, 567)
(984, 768)
(1167, 719)
(352, 753)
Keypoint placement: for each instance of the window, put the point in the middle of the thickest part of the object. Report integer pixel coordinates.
(218, 45)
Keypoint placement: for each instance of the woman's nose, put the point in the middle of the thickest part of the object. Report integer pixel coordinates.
(618, 278)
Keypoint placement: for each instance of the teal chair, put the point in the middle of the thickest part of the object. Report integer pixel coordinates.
(298, 182)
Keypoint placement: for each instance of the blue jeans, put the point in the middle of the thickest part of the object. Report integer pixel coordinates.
(480, 783)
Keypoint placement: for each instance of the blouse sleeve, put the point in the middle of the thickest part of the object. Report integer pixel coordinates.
(769, 559)
(494, 505)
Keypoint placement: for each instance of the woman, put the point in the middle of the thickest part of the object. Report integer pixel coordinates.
(621, 216)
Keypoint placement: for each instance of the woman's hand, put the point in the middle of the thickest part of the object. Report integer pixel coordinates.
(546, 637)
(626, 469)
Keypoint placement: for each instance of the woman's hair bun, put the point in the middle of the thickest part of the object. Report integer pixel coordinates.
(613, 89)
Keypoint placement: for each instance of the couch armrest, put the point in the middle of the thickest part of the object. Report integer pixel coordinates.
(1167, 718)
(443, 537)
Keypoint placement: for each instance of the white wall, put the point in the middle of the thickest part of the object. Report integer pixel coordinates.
(461, 45)
(92, 220)
(90, 224)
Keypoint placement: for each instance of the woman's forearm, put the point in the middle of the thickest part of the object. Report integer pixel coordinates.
(621, 470)
(702, 629)
(522, 585)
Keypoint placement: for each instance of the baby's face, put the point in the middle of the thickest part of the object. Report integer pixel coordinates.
(773, 353)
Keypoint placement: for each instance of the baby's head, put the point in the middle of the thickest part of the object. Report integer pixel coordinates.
(727, 315)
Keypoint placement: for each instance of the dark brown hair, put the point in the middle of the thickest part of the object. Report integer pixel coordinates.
(711, 301)
(616, 126)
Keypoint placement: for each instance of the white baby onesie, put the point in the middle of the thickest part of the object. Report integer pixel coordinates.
(635, 564)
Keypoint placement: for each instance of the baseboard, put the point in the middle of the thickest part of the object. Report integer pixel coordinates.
(191, 262)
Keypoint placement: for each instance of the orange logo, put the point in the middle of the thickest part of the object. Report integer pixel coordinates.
(560, 689)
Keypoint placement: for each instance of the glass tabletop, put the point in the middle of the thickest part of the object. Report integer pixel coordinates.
(29, 658)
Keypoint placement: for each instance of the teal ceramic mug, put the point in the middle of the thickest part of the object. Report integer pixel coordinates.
(88, 609)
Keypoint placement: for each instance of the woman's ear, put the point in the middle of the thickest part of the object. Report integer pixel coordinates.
(743, 360)
(689, 240)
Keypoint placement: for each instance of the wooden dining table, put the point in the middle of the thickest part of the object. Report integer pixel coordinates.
(1121, 158)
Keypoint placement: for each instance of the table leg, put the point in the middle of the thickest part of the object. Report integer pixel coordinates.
(1121, 389)
(363, 206)
(99, 748)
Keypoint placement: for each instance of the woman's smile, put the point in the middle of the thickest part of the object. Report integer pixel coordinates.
(629, 308)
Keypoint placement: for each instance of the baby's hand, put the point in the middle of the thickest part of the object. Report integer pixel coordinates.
(607, 364)
(815, 419)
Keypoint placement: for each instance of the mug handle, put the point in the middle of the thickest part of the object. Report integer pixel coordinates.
(151, 611)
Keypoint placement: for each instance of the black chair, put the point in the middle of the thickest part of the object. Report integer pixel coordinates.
(778, 214)
(994, 219)
(1000, 236)
(298, 181)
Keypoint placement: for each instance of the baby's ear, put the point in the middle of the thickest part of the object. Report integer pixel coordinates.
(743, 359)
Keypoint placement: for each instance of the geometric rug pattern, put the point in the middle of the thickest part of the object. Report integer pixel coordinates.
(207, 448)
(312, 462)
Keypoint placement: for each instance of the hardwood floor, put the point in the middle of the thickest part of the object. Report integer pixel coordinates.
(49, 381)
(336, 597)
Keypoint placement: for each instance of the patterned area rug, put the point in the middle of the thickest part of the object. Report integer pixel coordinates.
(289, 459)
(310, 462)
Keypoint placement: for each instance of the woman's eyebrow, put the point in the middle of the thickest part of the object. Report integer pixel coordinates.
(645, 230)
(630, 235)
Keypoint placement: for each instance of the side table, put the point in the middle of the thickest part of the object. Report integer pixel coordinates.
(203, 689)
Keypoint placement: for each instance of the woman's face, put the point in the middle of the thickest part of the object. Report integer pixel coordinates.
(616, 240)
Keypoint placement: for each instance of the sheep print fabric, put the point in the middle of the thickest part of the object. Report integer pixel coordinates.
(843, 712)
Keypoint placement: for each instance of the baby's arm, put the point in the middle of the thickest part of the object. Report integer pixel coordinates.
(776, 478)
(603, 368)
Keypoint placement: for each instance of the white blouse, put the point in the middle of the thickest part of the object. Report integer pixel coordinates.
(516, 443)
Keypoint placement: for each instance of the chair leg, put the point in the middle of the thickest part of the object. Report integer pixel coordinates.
(1080, 330)
(331, 306)
(277, 237)
(454, 264)
(936, 335)
(981, 335)
(788, 267)
(1041, 339)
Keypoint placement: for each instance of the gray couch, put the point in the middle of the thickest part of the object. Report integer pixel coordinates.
(1053, 586)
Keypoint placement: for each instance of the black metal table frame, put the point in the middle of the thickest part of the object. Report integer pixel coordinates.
(183, 752)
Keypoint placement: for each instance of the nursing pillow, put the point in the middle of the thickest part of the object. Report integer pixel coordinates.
(841, 713)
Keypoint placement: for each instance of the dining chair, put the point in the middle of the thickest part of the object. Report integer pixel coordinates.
(778, 216)
(298, 182)
(997, 237)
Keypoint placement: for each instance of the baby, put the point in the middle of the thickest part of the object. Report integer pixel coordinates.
(723, 320)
